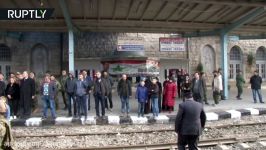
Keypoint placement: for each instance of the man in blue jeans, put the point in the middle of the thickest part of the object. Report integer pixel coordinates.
(48, 90)
(124, 91)
(154, 93)
(256, 82)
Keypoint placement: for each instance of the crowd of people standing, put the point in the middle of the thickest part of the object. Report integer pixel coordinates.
(152, 96)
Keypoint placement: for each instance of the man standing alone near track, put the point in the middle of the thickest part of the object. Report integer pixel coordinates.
(190, 122)
(256, 82)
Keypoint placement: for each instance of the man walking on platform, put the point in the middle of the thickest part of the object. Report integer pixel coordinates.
(256, 82)
(197, 88)
(190, 121)
(239, 84)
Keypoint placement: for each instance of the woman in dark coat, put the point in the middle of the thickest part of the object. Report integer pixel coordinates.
(12, 94)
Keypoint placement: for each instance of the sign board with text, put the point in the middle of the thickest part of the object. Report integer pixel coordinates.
(172, 44)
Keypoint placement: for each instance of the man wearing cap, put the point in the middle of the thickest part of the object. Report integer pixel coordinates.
(190, 121)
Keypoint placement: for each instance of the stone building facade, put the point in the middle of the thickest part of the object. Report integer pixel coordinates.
(41, 51)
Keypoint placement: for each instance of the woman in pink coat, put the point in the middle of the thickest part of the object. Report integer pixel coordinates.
(170, 94)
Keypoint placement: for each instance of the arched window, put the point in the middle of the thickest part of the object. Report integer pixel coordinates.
(235, 62)
(261, 54)
(235, 53)
(261, 61)
(5, 53)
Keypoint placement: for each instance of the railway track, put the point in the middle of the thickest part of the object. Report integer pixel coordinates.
(210, 142)
(202, 144)
(130, 132)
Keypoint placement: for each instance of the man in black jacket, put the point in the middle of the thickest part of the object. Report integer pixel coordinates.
(100, 91)
(190, 122)
(256, 82)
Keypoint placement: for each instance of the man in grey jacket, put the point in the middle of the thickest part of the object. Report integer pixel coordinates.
(189, 123)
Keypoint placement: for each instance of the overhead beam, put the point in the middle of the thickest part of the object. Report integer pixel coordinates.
(160, 10)
(67, 16)
(145, 9)
(114, 9)
(217, 12)
(243, 20)
(179, 5)
(246, 3)
(226, 14)
(130, 8)
(200, 34)
(187, 12)
(204, 11)
(253, 37)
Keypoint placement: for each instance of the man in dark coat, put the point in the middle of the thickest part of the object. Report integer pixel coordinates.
(27, 94)
(256, 82)
(189, 123)
(197, 88)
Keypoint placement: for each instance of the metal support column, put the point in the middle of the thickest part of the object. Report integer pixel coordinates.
(71, 51)
(224, 62)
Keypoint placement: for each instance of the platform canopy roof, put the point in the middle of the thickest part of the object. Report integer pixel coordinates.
(187, 17)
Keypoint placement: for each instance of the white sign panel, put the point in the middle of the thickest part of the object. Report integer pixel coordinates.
(172, 44)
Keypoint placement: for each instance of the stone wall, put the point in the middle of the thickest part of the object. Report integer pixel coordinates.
(94, 44)
(22, 49)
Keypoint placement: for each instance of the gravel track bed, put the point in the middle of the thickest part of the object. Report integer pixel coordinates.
(127, 139)
(95, 140)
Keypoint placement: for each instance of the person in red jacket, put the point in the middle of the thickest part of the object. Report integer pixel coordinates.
(170, 94)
